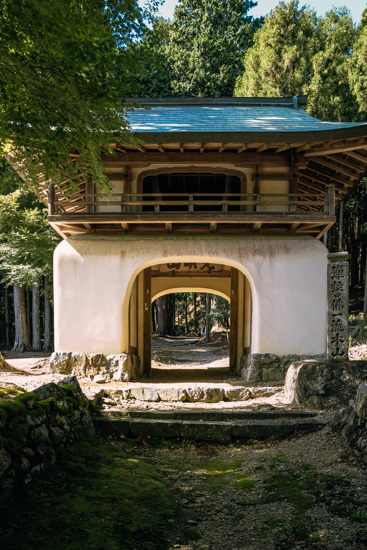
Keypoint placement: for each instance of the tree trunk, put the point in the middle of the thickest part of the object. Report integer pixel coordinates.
(36, 322)
(186, 317)
(7, 318)
(207, 317)
(47, 334)
(21, 342)
(196, 325)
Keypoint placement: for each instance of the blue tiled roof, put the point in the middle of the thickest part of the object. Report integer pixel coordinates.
(228, 118)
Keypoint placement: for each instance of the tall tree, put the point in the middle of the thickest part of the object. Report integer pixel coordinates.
(63, 69)
(207, 44)
(358, 67)
(279, 62)
(26, 248)
(328, 89)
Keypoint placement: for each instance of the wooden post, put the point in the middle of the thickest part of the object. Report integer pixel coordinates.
(147, 322)
(191, 206)
(233, 336)
(51, 199)
(341, 223)
(89, 191)
(331, 200)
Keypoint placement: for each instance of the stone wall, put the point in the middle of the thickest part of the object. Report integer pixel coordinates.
(33, 426)
(324, 384)
(96, 366)
(351, 422)
(268, 367)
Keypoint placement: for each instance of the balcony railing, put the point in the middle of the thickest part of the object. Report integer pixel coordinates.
(130, 203)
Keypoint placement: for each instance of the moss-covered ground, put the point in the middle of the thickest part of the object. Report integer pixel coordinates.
(98, 497)
(147, 494)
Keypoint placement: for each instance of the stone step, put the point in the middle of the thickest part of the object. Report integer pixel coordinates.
(191, 393)
(205, 430)
(210, 414)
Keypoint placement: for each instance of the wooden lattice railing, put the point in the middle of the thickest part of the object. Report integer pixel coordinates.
(192, 202)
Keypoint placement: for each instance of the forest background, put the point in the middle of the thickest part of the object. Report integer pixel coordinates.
(69, 65)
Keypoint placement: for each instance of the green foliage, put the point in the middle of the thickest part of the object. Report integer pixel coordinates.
(358, 67)
(153, 79)
(328, 90)
(27, 241)
(63, 74)
(99, 497)
(296, 53)
(279, 62)
(207, 42)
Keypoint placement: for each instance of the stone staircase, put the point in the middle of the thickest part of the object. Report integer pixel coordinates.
(202, 424)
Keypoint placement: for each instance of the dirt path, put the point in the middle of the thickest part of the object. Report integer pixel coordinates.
(301, 493)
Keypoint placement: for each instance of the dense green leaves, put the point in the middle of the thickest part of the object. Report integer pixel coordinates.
(27, 241)
(358, 68)
(279, 63)
(296, 53)
(328, 89)
(207, 43)
(63, 68)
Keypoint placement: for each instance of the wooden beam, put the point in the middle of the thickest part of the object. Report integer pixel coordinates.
(88, 226)
(294, 227)
(337, 168)
(147, 321)
(121, 149)
(168, 227)
(202, 148)
(346, 162)
(233, 337)
(242, 148)
(247, 158)
(161, 148)
(182, 149)
(357, 156)
(262, 147)
(339, 147)
(303, 147)
(332, 178)
(283, 147)
(221, 148)
(213, 227)
(256, 227)
(117, 218)
(125, 227)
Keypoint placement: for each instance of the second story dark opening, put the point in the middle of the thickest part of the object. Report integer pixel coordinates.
(190, 186)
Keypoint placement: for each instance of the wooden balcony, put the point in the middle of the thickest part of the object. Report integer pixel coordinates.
(304, 213)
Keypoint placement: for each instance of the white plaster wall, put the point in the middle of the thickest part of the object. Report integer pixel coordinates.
(95, 273)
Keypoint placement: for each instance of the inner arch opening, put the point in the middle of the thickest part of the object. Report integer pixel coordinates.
(190, 336)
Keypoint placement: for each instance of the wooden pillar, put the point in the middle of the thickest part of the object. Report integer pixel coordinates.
(240, 318)
(147, 320)
(133, 320)
(90, 190)
(233, 337)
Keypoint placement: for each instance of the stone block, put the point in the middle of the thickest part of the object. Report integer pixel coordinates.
(120, 367)
(207, 431)
(172, 394)
(237, 394)
(361, 402)
(97, 364)
(144, 393)
(60, 362)
(80, 364)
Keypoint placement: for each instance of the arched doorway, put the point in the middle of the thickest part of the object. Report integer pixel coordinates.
(165, 278)
(190, 336)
